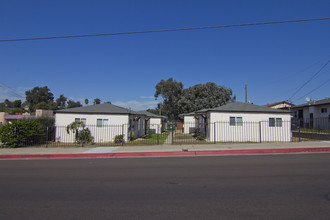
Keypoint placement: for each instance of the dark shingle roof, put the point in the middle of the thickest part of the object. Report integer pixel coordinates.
(105, 108)
(151, 115)
(187, 114)
(313, 103)
(243, 107)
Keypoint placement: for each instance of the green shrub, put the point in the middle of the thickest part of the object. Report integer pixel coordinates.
(201, 137)
(85, 136)
(197, 132)
(132, 136)
(21, 133)
(119, 139)
(148, 136)
(82, 134)
(46, 121)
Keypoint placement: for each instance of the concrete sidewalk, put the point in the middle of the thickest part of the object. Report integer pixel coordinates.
(162, 148)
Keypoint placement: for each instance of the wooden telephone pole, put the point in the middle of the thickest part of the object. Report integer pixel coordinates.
(246, 93)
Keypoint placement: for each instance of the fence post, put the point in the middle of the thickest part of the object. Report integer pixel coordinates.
(214, 133)
(260, 131)
(82, 142)
(47, 137)
(172, 133)
(299, 133)
(122, 132)
(158, 131)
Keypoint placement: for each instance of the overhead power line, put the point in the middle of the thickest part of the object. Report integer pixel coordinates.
(313, 90)
(310, 79)
(166, 30)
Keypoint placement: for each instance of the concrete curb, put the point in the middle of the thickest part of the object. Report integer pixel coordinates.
(166, 154)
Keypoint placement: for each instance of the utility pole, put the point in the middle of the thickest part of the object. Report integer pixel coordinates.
(246, 93)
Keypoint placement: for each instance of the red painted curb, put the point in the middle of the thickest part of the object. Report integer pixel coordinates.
(165, 154)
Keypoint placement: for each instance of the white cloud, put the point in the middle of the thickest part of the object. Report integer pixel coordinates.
(147, 97)
(137, 105)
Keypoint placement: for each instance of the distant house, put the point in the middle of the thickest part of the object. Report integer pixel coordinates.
(105, 121)
(189, 122)
(154, 123)
(280, 105)
(6, 118)
(241, 122)
(314, 114)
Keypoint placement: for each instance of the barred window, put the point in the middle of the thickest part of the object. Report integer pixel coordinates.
(235, 121)
(275, 122)
(232, 121)
(83, 120)
(102, 122)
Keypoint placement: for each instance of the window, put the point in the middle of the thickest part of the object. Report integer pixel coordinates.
(275, 122)
(235, 121)
(278, 122)
(239, 121)
(80, 120)
(232, 121)
(324, 110)
(102, 122)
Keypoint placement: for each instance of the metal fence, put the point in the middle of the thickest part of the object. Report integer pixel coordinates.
(311, 128)
(237, 132)
(189, 133)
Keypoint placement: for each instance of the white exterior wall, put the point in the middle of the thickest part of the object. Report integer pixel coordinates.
(254, 125)
(189, 123)
(155, 124)
(320, 120)
(118, 124)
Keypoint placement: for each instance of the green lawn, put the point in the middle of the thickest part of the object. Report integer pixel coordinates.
(151, 139)
(310, 130)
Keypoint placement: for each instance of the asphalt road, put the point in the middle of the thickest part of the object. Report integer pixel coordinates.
(224, 187)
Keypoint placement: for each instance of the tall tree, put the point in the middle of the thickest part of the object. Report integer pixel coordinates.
(97, 101)
(86, 101)
(61, 101)
(202, 96)
(8, 104)
(177, 100)
(73, 104)
(38, 95)
(171, 91)
(17, 103)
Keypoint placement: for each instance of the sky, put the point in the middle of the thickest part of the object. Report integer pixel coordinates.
(273, 60)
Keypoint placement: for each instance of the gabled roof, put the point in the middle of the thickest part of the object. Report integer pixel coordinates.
(151, 115)
(278, 103)
(243, 107)
(314, 103)
(105, 108)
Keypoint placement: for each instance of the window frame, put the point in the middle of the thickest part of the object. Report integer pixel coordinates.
(235, 121)
(275, 122)
(83, 120)
(100, 122)
(232, 121)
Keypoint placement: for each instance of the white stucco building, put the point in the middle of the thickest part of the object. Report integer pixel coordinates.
(154, 123)
(105, 121)
(314, 114)
(189, 122)
(241, 122)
